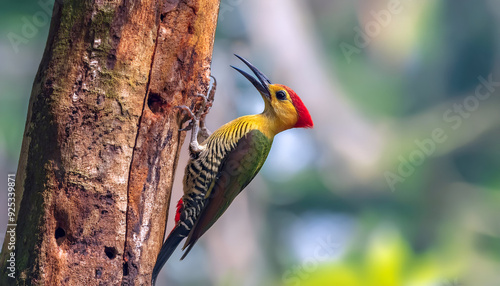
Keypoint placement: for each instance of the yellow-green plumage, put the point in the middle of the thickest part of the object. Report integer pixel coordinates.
(229, 160)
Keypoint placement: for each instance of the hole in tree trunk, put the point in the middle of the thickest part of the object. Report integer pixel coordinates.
(59, 234)
(156, 103)
(62, 231)
(110, 252)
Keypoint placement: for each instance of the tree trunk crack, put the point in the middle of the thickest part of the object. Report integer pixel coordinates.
(127, 218)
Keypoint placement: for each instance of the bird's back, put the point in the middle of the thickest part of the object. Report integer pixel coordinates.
(230, 159)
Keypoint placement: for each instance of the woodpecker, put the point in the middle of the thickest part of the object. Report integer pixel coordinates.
(223, 164)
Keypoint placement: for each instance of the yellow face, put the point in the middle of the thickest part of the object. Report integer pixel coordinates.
(280, 105)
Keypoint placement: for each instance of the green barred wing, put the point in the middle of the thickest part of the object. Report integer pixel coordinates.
(235, 172)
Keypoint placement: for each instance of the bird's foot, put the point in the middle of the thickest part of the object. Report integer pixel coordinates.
(199, 131)
(206, 106)
(191, 117)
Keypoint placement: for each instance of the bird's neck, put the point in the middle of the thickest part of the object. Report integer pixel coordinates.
(268, 123)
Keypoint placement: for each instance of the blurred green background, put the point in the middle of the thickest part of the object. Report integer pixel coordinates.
(397, 184)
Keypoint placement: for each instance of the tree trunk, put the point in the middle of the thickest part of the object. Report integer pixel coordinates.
(101, 140)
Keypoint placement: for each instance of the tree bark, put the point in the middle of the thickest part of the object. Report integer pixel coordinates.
(101, 140)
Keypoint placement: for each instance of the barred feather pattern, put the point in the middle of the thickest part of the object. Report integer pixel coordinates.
(202, 168)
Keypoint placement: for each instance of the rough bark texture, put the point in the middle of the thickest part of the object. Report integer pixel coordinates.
(101, 140)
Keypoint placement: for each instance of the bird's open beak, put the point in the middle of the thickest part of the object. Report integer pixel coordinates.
(261, 83)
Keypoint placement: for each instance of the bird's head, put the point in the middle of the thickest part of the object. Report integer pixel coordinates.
(282, 102)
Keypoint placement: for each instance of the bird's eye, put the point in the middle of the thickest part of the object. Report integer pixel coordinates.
(281, 95)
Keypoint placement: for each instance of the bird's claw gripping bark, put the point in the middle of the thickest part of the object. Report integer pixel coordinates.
(209, 99)
(208, 102)
(199, 131)
(191, 115)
